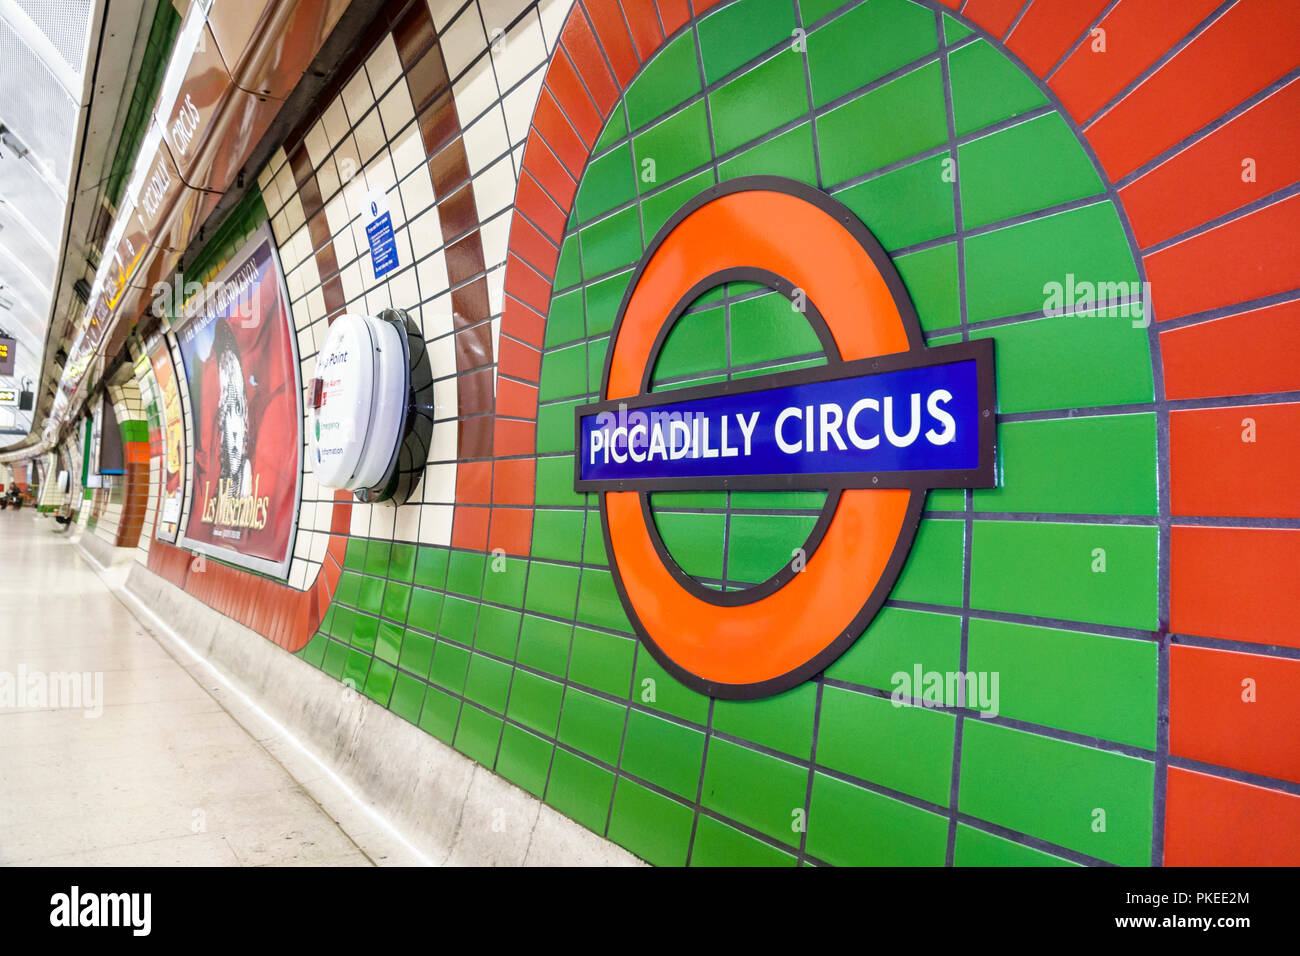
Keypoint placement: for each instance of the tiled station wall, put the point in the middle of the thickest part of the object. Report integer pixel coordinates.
(1116, 141)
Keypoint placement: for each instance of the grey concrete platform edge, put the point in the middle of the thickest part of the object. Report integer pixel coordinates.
(427, 803)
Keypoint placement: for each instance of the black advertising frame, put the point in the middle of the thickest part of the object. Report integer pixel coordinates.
(917, 483)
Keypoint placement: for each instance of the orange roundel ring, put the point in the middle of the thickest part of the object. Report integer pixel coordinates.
(753, 649)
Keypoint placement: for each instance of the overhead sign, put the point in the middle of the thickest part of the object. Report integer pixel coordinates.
(882, 422)
(7, 349)
(241, 365)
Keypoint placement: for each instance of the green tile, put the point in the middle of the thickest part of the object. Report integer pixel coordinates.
(596, 350)
(568, 269)
(987, 87)
(695, 541)
(664, 753)
(1061, 792)
(674, 146)
(838, 59)
(478, 734)
(759, 546)
(555, 426)
(604, 296)
(656, 688)
(755, 789)
(717, 844)
(1047, 569)
(1077, 361)
(615, 129)
(758, 100)
(524, 759)
(564, 373)
(498, 631)
(1097, 465)
(552, 589)
(1089, 684)
(408, 697)
(555, 481)
(459, 617)
(439, 715)
(933, 572)
(697, 342)
(1008, 269)
(365, 631)
(335, 659)
(670, 77)
(377, 553)
(544, 644)
(738, 32)
(535, 702)
(349, 588)
(787, 154)
(417, 653)
(933, 284)
(657, 209)
(504, 581)
(602, 661)
(611, 243)
(767, 328)
(608, 181)
(401, 567)
(566, 323)
(981, 848)
(431, 567)
(396, 598)
(379, 683)
(450, 664)
(654, 827)
(557, 535)
(782, 722)
(488, 682)
(593, 541)
(465, 573)
(354, 558)
(580, 790)
(593, 725)
(425, 609)
(370, 595)
(849, 826)
(906, 206)
(905, 116)
(598, 602)
(897, 640)
(389, 643)
(908, 749)
(356, 669)
(953, 30)
(1021, 169)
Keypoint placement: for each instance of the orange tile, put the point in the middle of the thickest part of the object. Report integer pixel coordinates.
(1239, 54)
(1207, 179)
(1213, 821)
(469, 527)
(519, 361)
(516, 399)
(1236, 583)
(643, 21)
(473, 482)
(514, 481)
(1215, 471)
(511, 530)
(995, 16)
(571, 145)
(532, 202)
(549, 172)
(535, 248)
(512, 437)
(674, 14)
(1212, 718)
(1047, 30)
(579, 42)
(1246, 258)
(1250, 353)
(523, 323)
(615, 41)
(526, 284)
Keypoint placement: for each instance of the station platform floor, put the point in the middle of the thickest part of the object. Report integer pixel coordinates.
(114, 750)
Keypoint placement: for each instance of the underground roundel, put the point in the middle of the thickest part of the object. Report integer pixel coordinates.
(877, 426)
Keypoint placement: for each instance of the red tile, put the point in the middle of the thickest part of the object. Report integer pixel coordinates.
(514, 481)
(674, 14)
(643, 21)
(611, 31)
(1235, 583)
(1213, 718)
(1137, 33)
(531, 201)
(1243, 51)
(549, 172)
(1207, 180)
(1246, 258)
(474, 482)
(1212, 821)
(534, 247)
(996, 16)
(511, 530)
(1245, 354)
(524, 283)
(469, 528)
(573, 99)
(519, 361)
(1048, 29)
(523, 323)
(559, 134)
(1241, 461)
(511, 437)
(516, 399)
(699, 6)
(579, 42)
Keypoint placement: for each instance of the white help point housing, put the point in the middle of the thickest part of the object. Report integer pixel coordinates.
(359, 399)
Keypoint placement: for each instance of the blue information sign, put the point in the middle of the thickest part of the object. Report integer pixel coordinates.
(383, 248)
(873, 423)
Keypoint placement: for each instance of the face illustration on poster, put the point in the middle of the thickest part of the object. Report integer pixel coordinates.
(232, 413)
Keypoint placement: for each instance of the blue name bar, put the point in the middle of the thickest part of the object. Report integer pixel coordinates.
(929, 425)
